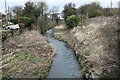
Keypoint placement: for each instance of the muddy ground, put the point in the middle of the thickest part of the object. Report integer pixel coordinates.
(28, 55)
(95, 44)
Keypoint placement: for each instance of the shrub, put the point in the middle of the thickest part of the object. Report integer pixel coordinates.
(42, 23)
(91, 10)
(26, 20)
(69, 9)
(72, 21)
(14, 21)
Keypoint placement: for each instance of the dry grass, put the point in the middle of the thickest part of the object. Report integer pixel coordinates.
(27, 56)
(97, 44)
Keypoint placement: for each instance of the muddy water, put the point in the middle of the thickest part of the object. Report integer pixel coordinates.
(65, 64)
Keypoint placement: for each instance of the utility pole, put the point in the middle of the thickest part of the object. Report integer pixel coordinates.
(6, 12)
(8, 15)
(111, 8)
(111, 4)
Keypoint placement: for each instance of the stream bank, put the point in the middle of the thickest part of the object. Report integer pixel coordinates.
(27, 55)
(95, 45)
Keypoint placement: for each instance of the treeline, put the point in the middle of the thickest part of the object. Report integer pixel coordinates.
(73, 16)
(35, 16)
(94, 9)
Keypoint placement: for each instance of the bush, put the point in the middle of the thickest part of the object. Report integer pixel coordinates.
(69, 9)
(72, 21)
(42, 24)
(26, 20)
(14, 21)
(91, 10)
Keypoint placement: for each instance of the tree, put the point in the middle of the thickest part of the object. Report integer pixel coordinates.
(18, 11)
(69, 9)
(42, 7)
(29, 10)
(54, 13)
(91, 10)
(54, 10)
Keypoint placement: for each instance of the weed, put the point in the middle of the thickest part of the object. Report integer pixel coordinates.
(35, 73)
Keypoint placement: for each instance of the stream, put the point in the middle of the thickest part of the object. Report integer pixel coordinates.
(65, 64)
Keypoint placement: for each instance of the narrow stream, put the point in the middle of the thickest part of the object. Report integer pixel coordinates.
(65, 64)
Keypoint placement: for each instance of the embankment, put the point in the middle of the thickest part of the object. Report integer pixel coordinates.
(27, 55)
(96, 46)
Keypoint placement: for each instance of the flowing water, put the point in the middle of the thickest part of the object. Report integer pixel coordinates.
(64, 64)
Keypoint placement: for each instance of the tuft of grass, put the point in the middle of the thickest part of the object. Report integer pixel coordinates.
(19, 71)
(59, 37)
(36, 73)
(28, 57)
(41, 74)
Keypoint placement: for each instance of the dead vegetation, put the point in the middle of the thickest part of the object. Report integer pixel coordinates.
(96, 46)
(26, 56)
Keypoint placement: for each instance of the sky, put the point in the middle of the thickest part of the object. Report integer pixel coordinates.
(59, 3)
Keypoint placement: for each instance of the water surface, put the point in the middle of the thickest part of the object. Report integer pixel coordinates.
(65, 64)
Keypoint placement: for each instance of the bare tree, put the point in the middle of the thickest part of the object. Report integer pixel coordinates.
(18, 11)
(43, 7)
(54, 10)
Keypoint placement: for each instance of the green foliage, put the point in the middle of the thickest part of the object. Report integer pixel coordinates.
(34, 10)
(91, 10)
(29, 10)
(72, 21)
(15, 21)
(26, 20)
(69, 9)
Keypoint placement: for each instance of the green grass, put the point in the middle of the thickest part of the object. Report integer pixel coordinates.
(59, 37)
(41, 74)
(28, 57)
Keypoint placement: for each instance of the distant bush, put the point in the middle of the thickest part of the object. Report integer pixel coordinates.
(91, 10)
(14, 21)
(110, 11)
(72, 21)
(26, 20)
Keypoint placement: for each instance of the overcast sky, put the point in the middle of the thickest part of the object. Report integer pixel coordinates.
(58, 3)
